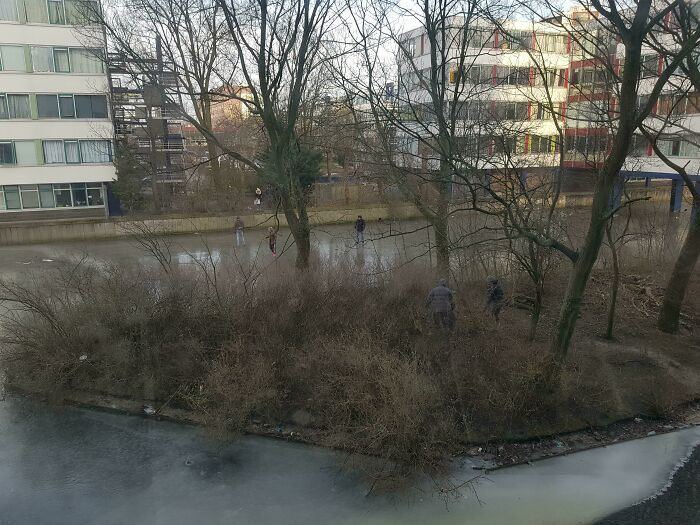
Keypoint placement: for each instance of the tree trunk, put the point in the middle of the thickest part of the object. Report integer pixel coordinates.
(615, 283)
(610, 170)
(583, 266)
(213, 153)
(536, 275)
(298, 221)
(442, 244)
(153, 165)
(669, 318)
(441, 223)
(536, 312)
(303, 242)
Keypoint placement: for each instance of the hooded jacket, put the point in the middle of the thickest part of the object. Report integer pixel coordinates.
(441, 299)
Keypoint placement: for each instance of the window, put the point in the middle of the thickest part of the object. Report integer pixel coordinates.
(82, 12)
(86, 60)
(47, 106)
(522, 76)
(36, 11)
(543, 111)
(2, 199)
(509, 145)
(12, 58)
(94, 194)
(575, 75)
(18, 106)
(7, 153)
(30, 196)
(478, 74)
(690, 149)
(8, 10)
(650, 65)
(72, 149)
(61, 60)
(552, 43)
(66, 106)
(639, 146)
(3, 107)
(42, 59)
(95, 151)
(91, 106)
(79, 194)
(693, 105)
(409, 48)
(562, 78)
(83, 106)
(675, 149)
(514, 76)
(46, 199)
(12, 198)
(513, 110)
(545, 77)
(478, 38)
(61, 193)
(539, 144)
(516, 40)
(679, 105)
(642, 102)
(25, 153)
(53, 152)
(56, 13)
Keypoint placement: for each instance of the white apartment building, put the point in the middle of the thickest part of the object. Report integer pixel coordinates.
(497, 83)
(56, 134)
(502, 83)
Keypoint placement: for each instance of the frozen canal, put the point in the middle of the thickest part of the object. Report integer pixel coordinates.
(386, 243)
(69, 466)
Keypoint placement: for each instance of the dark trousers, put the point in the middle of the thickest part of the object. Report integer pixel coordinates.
(444, 321)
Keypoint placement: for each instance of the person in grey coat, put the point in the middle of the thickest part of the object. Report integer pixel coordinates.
(442, 306)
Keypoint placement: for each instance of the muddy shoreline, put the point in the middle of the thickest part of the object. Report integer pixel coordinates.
(488, 456)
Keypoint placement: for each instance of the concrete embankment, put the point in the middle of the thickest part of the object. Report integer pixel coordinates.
(47, 231)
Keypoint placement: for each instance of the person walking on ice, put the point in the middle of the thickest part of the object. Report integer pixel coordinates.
(272, 238)
(239, 228)
(359, 230)
(258, 199)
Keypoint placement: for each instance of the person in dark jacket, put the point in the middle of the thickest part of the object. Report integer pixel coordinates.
(360, 230)
(494, 297)
(442, 307)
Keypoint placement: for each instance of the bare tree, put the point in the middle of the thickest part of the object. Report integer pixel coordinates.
(616, 239)
(671, 134)
(419, 123)
(271, 48)
(633, 27)
(279, 46)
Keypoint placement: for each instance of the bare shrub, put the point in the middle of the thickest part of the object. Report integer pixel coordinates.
(241, 383)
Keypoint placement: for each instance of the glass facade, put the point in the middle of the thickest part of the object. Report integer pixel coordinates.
(54, 151)
(48, 196)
